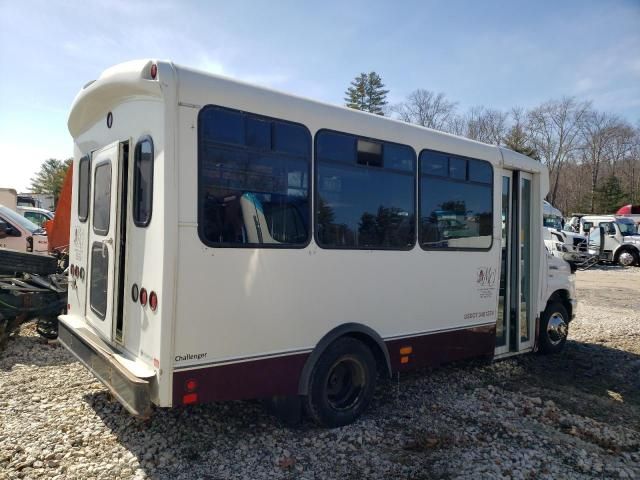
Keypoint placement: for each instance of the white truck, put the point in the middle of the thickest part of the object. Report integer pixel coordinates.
(565, 244)
(618, 238)
(18, 233)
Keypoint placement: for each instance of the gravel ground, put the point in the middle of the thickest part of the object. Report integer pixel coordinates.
(574, 415)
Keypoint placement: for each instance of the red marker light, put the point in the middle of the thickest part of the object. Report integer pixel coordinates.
(143, 296)
(191, 385)
(71, 269)
(189, 398)
(153, 301)
(154, 71)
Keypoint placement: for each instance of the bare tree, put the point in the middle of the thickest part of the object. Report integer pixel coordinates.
(486, 125)
(426, 108)
(598, 132)
(623, 156)
(553, 129)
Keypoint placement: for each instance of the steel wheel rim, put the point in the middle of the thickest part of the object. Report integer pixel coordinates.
(626, 259)
(556, 328)
(345, 383)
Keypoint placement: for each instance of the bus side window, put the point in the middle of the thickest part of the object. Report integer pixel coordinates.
(366, 193)
(253, 180)
(83, 189)
(456, 205)
(143, 182)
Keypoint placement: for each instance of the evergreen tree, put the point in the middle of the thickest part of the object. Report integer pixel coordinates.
(50, 178)
(610, 196)
(516, 140)
(367, 93)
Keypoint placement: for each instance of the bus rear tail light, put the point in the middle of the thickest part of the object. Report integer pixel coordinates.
(153, 301)
(190, 398)
(29, 244)
(143, 297)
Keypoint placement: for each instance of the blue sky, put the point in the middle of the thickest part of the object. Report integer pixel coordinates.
(493, 53)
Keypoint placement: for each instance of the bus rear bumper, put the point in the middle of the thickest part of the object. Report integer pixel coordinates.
(131, 391)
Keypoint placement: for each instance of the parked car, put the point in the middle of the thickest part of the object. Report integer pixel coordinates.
(36, 215)
(19, 233)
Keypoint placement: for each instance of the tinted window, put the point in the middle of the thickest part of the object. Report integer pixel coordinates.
(83, 189)
(457, 168)
(336, 147)
(102, 198)
(399, 157)
(99, 279)
(143, 182)
(480, 171)
(455, 212)
(362, 203)
(222, 126)
(434, 163)
(257, 191)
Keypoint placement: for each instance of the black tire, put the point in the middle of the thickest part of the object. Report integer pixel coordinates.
(634, 256)
(342, 383)
(553, 335)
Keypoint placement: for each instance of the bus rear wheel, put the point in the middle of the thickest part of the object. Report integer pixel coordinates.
(554, 328)
(342, 383)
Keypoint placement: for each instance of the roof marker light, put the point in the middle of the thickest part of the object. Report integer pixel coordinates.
(143, 296)
(154, 71)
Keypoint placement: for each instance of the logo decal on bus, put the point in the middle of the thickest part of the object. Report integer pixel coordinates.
(189, 356)
(486, 277)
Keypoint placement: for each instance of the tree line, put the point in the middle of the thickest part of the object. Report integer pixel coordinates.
(593, 156)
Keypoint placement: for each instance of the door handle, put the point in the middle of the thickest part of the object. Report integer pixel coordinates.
(105, 242)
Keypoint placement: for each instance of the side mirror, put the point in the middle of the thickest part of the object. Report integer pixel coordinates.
(3, 229)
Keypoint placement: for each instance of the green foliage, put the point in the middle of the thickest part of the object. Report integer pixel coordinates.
(516, 140)
(610, 196)
(50, 178)
(367, 93)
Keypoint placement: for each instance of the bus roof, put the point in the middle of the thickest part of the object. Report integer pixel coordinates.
(196, 88)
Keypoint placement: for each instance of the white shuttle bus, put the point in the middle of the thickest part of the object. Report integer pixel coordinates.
(232, 242)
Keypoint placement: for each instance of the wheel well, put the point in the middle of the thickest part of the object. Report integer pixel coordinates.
(360, 332)
(625, 248)
(562, 296)
(381, 360)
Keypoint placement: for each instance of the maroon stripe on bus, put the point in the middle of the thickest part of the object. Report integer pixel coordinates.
(267, 377)
(435, 349)
(261, 378)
